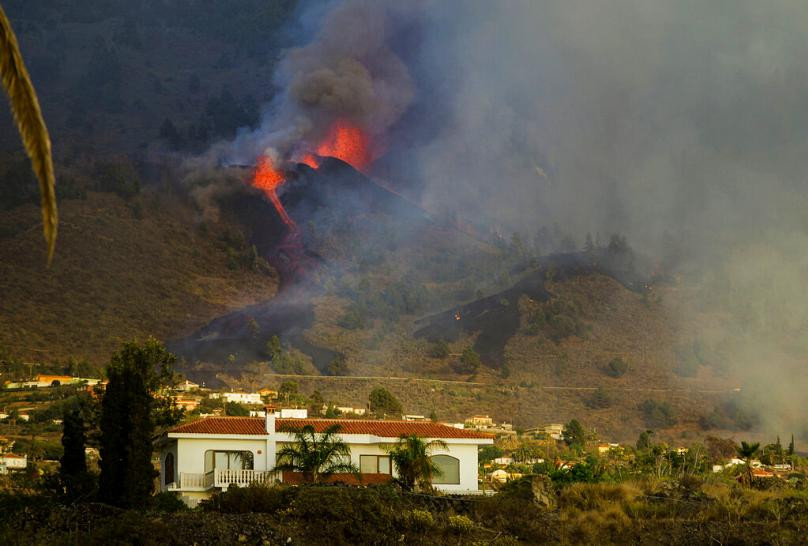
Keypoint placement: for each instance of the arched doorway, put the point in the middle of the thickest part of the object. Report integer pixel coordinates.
(168, 468)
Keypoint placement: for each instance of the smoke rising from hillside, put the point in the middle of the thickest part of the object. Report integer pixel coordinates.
(681, 125)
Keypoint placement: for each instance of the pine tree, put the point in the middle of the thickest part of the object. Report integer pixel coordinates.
(127, 425)
(73, 464)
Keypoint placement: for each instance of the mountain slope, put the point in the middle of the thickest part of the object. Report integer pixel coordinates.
(122, 270)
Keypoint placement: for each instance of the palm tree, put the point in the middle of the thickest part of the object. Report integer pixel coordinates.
(317, 456)
(746, 452)
(34, 133)
(411, 460)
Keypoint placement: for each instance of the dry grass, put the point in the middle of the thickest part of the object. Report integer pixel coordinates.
(115, 276)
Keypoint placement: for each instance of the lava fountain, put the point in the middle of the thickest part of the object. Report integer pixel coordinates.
(346, 142)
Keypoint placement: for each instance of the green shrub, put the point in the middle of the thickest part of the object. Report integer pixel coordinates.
(658, 414)
(439, 349)
(168, 502)
(461, 524)
(600, 399)
(254, 498)
(617, 367)
(347, 515)
(421, 520)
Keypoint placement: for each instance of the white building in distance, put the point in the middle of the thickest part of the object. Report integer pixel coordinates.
(238, 397)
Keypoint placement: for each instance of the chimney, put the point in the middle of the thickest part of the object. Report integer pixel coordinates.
(269, 419)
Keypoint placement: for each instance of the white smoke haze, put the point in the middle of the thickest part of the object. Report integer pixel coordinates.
(682, 125)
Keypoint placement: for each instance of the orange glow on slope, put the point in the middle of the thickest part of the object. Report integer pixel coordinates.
(267, 179)
(348, 143)
(311, 160)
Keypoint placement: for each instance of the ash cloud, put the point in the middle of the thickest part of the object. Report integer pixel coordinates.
(346, 72)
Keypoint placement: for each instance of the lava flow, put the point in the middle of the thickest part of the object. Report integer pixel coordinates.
(346, 142)
(267, 179)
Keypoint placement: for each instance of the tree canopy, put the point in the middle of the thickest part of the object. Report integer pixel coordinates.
(383, 403)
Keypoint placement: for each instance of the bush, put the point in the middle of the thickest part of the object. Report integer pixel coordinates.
(461, 524)
(512, 511)
(439, 349)
(658, 414)
(290, 362)
(421, 520)
(353, 319)
(347, 515)
(469, 362)
(382, 402)
(600, 399)
(617, 367)
(168, 502)
(254, 498)
(237, 410)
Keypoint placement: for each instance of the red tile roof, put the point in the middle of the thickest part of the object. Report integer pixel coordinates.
(386, 429)
(223, 425)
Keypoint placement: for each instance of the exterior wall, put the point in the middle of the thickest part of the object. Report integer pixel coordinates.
(239, 397)
(466, 453)
(14, 462)
(190, 455)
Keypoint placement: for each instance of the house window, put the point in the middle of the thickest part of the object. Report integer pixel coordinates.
(234, 460)
(168, 468)
(449, 469)
(374, 464)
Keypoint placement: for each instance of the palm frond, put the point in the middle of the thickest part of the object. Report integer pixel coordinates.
(28, 117)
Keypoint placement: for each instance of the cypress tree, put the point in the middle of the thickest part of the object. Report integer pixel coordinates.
(73, 464)
(127, 426)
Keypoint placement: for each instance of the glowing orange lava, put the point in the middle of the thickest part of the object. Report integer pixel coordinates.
(267, 179)
(348, 143)
(311, 160)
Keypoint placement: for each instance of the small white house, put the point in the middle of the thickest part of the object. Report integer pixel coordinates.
(187, 386)
(503, 460)
(348, 409)
(239, 397)
(285, 413)
(12, 461)
(208, 455)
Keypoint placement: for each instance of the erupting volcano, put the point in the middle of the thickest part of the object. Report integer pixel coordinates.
(267, 179)
(346, 142)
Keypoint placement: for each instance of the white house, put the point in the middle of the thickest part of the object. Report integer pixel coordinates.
(12, 461)
(202, 457)
(187, 386)
(239, 397)
(285, 413)
(348, 409)
(503, 460)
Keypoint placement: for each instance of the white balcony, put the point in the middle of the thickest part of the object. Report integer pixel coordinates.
(223, 478)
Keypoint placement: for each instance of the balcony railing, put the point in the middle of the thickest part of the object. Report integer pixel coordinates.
(227, 477)
(223, 478)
